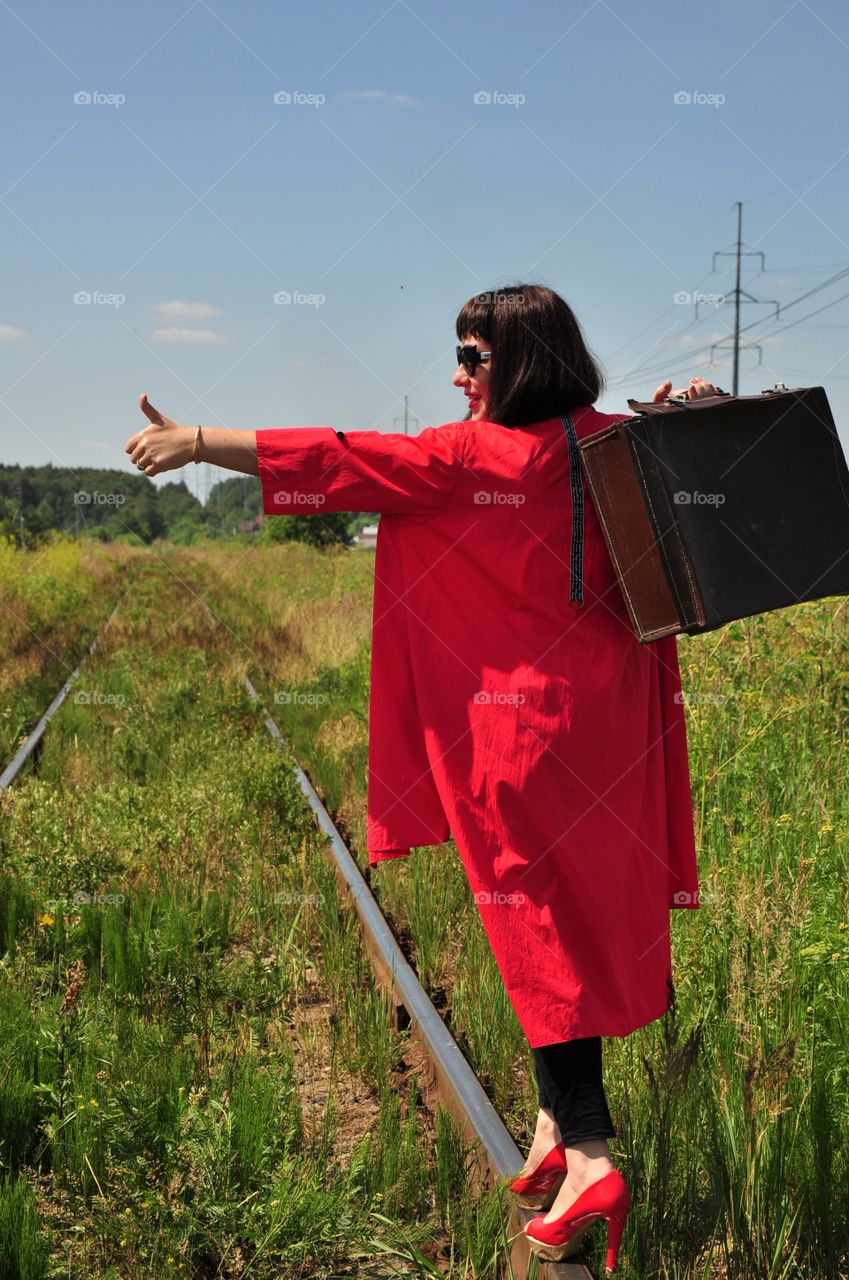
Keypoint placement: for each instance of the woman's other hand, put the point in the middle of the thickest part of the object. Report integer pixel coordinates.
(698, 387)
(160, 446)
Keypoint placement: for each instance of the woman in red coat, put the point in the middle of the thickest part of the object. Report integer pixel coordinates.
(512, 706)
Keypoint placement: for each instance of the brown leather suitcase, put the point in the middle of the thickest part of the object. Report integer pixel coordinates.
(721, 507)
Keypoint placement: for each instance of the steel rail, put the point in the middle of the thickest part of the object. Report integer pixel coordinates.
(7, 777)
(452, 1081)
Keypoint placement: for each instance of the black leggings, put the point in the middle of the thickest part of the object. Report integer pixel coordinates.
(570, 1084)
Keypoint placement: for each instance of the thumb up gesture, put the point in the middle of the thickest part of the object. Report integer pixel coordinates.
(161, 445)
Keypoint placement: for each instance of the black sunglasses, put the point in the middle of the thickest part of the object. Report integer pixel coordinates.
(470, 357)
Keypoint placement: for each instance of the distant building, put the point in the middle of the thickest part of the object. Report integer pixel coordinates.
(250, 526)
(367, 537)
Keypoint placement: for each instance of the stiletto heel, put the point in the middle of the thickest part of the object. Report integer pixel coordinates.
(538, 1190)
(609, 1198)
(615, 1228)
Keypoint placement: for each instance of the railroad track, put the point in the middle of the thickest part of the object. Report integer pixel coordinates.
(449, 1080)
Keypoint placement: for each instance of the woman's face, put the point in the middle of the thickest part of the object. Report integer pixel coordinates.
(475, 385)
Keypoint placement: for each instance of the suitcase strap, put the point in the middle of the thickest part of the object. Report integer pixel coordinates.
(576, 550)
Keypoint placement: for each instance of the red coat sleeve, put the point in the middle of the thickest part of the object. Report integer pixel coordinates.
(308, 470)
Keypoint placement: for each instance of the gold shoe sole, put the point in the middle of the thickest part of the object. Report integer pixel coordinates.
(557, 1252)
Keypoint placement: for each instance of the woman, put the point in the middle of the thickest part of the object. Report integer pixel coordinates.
(512, 706)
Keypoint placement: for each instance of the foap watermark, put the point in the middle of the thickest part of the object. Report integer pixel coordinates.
(685, 298)
(95, 98)
(293, 298)
(94, 498)
(85, 298)
(84, 899)
(498, 98)
(96, 698)
(486, 898)
(300, 697)
(695, 98)
(496, 498)
(711, 698)
(694, 497)
(684, 898)
(297, 98)
(491, 297)
(287, 898)
(497, 697)
(297, 497)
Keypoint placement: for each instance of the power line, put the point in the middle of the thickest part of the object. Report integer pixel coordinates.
(651, 323)
(683, 360)
(810, 314)
(617, 292)
(666, 310)
(740, 295)
(699, 351)
(677, 336)
(406, 418)
(824, 284)
(821, 266)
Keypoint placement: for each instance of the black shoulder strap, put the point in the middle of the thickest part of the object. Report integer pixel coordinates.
(576, 555)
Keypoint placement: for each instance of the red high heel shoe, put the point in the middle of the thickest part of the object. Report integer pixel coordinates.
(608, 1198)
(538, 1190)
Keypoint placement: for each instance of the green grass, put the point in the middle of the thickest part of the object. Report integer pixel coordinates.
(53, 601)
(169, 923)
(732, 1113)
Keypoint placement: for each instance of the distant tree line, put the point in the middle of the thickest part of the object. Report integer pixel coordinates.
(115, 505)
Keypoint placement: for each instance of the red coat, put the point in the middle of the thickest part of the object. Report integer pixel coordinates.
(535, 729)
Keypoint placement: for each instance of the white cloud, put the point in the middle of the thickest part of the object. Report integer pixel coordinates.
(179, 310)
(691, 340)
(367, 94)
(200, 336)
(8, 333)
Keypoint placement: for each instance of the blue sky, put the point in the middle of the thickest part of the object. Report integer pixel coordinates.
(181, 197)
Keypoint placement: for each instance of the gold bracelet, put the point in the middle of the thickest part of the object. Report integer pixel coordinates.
(195, 457)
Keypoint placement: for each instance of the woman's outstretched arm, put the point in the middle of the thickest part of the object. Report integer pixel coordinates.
(163, 445)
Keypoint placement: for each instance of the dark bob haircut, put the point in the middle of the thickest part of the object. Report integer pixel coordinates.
(541, 365)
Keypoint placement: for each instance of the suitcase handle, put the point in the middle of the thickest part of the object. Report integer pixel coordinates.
(686, 401)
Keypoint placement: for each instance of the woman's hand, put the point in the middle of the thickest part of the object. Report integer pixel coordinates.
(698, 387)
(161, 446)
